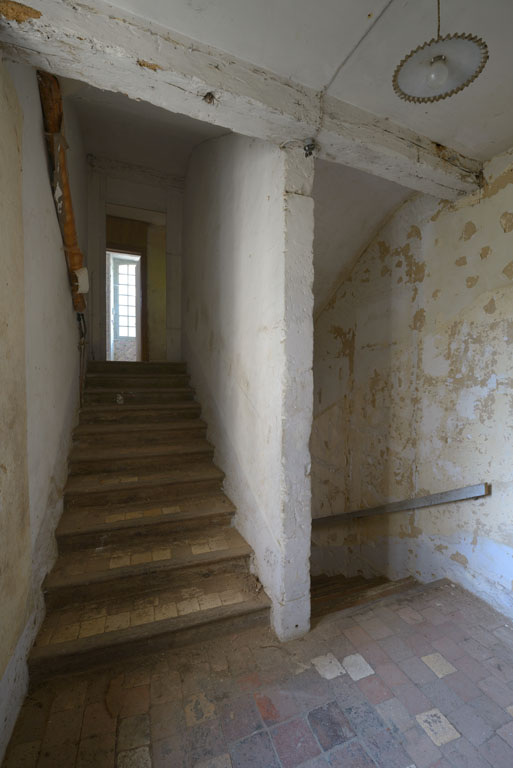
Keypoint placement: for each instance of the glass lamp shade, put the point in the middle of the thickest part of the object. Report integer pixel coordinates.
(440, 68)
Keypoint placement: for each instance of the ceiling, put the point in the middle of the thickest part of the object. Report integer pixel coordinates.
(308, 42)
(136, 132)
(350, 206)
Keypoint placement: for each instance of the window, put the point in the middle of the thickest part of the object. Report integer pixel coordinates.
(123, 306)
(125, 299)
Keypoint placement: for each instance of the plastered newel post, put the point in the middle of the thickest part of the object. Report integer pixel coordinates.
(291, 617)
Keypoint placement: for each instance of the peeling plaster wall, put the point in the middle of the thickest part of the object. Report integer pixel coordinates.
(50, 370)
(413, 376)
(247, 339)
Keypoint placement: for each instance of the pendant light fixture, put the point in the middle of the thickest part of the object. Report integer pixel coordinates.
(440, 68)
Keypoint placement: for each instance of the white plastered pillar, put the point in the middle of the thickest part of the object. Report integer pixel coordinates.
(291, 615)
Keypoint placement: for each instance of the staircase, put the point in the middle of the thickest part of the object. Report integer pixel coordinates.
(147, 555)
(330, 594)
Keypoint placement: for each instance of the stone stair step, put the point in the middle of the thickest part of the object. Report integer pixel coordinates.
(125, 487)
(169, 431)
(115, 570)
(113, 481)
(130, 414)
(141, 381)
(136, 396)
(100, 526)
(338, 593)
(96, 634)
(135, 369)
(115, 458)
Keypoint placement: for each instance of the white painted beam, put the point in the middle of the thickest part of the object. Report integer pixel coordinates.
(95, 43)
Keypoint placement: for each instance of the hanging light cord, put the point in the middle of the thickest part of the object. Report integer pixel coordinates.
(438, 4)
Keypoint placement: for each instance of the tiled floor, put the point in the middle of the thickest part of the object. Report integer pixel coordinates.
(421, 679)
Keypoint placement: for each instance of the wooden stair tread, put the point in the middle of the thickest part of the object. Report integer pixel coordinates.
(128, 388)
(150, 556)
(174, 425)
(114, 481)
(343, 595)
(185, 405)
(86, 452)
(100, 631)
(111, 518)
(134, 368)
(156, 627)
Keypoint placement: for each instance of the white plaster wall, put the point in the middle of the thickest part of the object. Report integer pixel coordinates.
(51, 327)
(111, 183)
(15, 592)
(413, 372)
(350, 207)
(51, 358)
(243, 347)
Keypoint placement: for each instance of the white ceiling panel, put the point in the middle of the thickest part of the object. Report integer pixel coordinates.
(350, 206)
(298, 39)
(478, 121)
(129, 131)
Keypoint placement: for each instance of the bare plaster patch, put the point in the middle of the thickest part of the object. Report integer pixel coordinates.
(485, 252)
(17, 11)
(507, 221)
(347, 339)
(472, 281)
(461, 262)
(490, 307)
(508, 270)
(444, 206)
(436, 293)
(500, 183)
(414, 232)
(384, 250)
(415, 270)
(413, 531)
(419, 320)
(148, 65)
(459, 558)
(469, 230)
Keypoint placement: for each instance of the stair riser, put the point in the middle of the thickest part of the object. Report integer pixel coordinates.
(84, 467)
(127, 536)
(139, 416)
(126, 586)
(136, 398)
(135, 369)
(153, 643)
(126, 382)
(157, 494)
(138, 437)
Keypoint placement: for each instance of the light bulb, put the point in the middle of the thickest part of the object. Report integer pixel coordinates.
(438, 72)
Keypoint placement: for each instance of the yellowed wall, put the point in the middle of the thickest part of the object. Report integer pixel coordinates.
(413, 395)
(156, 289)
(15, 568)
